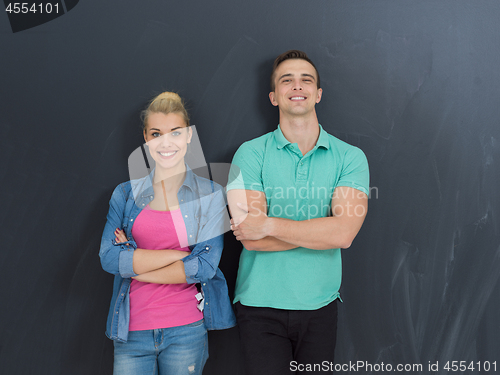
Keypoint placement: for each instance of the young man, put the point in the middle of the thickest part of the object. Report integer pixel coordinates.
(297, 196)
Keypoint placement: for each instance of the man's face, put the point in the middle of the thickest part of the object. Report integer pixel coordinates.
(296, 92)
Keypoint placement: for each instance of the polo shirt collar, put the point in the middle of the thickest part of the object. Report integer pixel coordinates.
(280, 138)
(323, 139)
(282, 141)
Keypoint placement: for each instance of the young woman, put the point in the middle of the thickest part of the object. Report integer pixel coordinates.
(163, 241)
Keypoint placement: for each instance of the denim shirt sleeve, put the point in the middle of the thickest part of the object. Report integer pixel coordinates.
(117, 258)
(201, 265)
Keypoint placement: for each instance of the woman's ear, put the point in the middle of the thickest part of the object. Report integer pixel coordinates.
(190, 134)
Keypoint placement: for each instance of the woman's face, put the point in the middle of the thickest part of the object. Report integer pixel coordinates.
(167, 137)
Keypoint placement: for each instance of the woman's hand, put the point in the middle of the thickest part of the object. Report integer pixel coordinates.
(120, 236)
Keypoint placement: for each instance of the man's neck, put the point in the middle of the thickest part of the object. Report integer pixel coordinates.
(301, 130)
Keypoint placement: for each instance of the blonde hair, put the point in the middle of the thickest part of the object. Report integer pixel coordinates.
(167, 102)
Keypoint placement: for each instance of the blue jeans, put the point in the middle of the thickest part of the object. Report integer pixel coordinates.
(169, 351)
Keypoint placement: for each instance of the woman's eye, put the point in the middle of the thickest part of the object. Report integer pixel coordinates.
(176, 133)
(155, 134)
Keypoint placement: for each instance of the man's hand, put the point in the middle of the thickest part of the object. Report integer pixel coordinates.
(250, 225)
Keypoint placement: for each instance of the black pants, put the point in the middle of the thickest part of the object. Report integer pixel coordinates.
(283, 342)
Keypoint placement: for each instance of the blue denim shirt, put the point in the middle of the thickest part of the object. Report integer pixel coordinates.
(203, 207)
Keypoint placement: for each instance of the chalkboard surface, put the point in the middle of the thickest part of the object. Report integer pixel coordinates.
(414, 84)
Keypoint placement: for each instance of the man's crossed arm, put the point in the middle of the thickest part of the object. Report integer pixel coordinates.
(257, 231)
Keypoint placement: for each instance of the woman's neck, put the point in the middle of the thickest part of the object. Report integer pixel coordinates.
(172, 177)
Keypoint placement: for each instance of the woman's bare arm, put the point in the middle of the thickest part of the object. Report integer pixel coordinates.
(146, 260)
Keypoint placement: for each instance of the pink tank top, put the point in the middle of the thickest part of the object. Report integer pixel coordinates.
(155, 306)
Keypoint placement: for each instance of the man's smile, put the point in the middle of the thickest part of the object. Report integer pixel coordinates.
(298, 98)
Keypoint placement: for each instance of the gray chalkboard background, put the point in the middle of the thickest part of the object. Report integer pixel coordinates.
(415, 84)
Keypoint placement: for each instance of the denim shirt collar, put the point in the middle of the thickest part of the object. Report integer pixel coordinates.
(144, 186)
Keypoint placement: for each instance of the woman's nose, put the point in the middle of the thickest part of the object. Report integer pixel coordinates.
(166, 139)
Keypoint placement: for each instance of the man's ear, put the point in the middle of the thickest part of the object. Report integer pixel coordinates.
(320, 94)
(273, 99)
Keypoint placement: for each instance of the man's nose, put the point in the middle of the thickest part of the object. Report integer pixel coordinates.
(297, 85)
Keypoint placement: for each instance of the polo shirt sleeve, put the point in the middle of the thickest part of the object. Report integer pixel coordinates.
(355, 171)
(246, 169)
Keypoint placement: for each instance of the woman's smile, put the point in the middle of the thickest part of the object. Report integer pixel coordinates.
(167, 154)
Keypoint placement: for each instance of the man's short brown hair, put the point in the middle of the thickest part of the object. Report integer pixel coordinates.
(292, 54)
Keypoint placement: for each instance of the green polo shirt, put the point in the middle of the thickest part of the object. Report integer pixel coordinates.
(297, 187)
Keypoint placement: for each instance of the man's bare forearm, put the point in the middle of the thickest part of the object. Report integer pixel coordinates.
(319, 234)
(267, 244)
